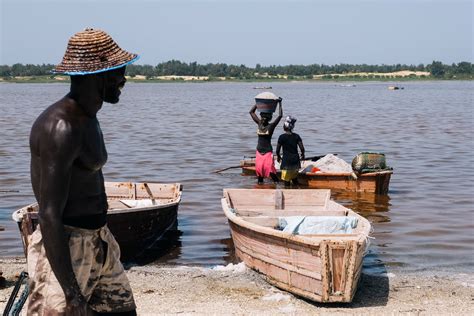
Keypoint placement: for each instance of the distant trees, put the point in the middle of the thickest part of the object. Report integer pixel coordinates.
(463, 67)
(25, 70)
(437, 69)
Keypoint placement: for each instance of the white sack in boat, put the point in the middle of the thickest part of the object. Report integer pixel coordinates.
(289, 224)
(138, 203)
(330, 163)
(301, 225)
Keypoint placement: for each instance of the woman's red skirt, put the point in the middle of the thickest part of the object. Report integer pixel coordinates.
(264, 164)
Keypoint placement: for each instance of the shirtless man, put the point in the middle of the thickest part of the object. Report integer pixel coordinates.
(67, 155)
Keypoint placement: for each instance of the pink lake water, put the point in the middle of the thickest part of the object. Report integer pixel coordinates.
(182, 132)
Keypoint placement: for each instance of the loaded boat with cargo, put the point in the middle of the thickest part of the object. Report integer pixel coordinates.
(368, 173)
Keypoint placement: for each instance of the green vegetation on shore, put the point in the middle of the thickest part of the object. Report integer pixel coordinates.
(174, 70)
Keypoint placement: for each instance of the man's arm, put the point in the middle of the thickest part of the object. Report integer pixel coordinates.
(253, 115)
(278, 118)
(280, 112)
(278, 152)
(58, 150)
(300, 145)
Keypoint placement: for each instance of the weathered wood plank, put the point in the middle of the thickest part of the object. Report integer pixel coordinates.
(315, 211)
(295, 258)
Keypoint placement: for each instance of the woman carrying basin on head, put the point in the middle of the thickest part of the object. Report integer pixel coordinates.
(266, 103)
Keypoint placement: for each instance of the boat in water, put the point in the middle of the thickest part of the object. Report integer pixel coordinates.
(139, 214)
(300, 240)
(374, 182)
(395, 88)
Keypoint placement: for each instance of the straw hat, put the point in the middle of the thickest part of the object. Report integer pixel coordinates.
(93, 51)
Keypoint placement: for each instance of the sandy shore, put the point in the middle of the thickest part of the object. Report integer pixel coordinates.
(395, 74)
(236, 290)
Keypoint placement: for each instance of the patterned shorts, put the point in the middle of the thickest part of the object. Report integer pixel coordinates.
(95, 260)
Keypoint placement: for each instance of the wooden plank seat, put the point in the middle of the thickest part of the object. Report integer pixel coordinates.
(314, 211)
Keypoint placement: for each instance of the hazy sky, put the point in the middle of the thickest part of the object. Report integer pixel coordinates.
(246, 32)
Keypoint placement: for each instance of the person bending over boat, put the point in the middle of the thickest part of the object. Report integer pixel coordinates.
(264, 164)
(73, 258)
(290, 164)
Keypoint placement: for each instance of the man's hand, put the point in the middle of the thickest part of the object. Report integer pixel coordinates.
(279, 158)
(302, 157)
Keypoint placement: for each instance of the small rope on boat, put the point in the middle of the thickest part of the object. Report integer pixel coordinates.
(368, 242)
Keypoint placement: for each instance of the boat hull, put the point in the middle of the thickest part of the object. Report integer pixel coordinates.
(320, 267)
(135, 228)
(301, 269)
(137, 231)
(374, 182)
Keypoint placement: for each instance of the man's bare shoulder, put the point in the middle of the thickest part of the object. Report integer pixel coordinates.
(64, 112)
(59, 124)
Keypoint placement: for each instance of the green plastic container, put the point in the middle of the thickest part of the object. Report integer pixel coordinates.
(369, 162)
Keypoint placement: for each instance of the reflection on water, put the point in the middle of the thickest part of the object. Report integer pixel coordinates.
(372, 206)
(166, 249)
(182, 132)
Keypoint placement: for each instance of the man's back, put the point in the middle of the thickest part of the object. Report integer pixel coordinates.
(289, 143)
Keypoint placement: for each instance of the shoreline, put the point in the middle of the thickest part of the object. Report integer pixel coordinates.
(190, 79)
(257, 81)
(237, 290)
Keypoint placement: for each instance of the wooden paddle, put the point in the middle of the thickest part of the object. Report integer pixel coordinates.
(224, 169)
(312, 158)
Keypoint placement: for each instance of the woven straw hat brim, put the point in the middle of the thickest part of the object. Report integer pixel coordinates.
(93, 51)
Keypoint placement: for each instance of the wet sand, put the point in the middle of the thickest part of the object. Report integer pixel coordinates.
(182, 290)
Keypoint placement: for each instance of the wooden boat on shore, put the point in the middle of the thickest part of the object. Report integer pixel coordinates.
(374, 182)
(139, 214)
(323, 267)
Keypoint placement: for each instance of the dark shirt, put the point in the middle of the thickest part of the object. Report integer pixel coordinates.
(265, 134)
(289, 144)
